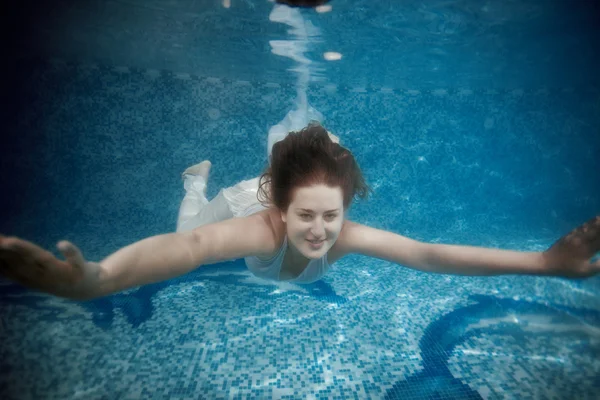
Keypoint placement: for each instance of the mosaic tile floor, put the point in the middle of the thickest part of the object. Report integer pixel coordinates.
(369, 330)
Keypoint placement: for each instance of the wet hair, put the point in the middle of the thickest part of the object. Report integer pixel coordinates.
(305, 158)
(303, 3)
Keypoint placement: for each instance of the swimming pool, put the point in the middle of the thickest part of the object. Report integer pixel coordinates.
(475, 123)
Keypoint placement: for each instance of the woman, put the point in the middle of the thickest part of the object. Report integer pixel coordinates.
(289, 224)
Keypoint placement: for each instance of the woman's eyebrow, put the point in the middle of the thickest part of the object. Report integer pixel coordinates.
(309, 210)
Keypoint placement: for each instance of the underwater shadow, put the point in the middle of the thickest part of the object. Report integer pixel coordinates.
(137, 306)
(507, 317)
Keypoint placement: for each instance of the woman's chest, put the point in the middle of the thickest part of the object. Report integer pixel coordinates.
(290, 268)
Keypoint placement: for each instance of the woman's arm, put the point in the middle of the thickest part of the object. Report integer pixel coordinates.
(166, 256)
(569, 257)
(149, 260)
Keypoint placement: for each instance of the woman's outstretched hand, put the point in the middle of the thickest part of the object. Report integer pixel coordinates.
(571, 255)
(36, 268)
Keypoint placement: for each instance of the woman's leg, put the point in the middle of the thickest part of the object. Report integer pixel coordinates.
(195, 209)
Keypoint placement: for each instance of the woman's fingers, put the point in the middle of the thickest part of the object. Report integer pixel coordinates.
(33, 266)
(6, 269)
(72, 253)
(26, 250)
(12, 262)
(588, 236)
(583, 241)
(36, 268)
(74, 259)
(12, 267)
(594, 267)
(593, 233)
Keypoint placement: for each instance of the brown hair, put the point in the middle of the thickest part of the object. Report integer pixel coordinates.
(306, 158)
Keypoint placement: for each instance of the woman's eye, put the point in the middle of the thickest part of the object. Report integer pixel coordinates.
(328, 216)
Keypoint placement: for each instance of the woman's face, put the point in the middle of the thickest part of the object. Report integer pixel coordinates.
(314, 219)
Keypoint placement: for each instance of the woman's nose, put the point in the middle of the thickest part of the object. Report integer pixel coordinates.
(318, 228)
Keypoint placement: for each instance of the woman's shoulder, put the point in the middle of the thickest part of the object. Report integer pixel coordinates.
(273, 229)
(341, 246)
(238, 237)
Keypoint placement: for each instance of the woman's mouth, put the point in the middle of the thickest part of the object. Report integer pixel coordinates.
(316, 244)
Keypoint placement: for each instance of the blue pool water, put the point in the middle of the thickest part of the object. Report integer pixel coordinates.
(475, 123)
